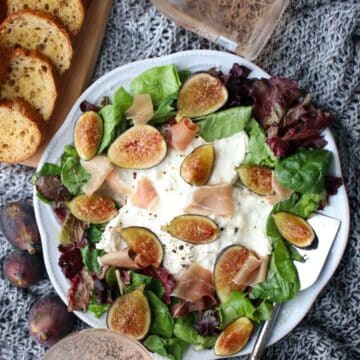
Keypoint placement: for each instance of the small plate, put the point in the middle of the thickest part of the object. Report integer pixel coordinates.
(293, 311)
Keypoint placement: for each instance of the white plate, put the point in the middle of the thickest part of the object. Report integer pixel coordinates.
(293, 311)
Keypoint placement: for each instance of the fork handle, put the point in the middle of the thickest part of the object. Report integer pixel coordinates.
(264, 334)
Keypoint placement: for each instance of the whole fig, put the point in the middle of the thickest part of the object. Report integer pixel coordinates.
(49, 320)
(17, 223)
(24, 270)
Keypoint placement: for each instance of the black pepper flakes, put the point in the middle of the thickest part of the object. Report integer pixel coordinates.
(134, 175)
(181, 247)
(236, 230)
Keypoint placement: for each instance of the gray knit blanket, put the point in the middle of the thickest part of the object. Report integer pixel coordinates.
(317, 43)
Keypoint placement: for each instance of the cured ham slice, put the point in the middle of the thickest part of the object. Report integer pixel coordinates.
(99, 168)
(121, 259)
(181, 134)
(281, 193)
(184, 307)
(145, 195)
(195, 287)
(114, 188)
(253, 270)
(212, 200)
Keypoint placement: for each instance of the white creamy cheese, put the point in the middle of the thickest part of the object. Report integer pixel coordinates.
(246, 227)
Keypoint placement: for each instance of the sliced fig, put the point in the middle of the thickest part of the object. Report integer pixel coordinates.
(140, 147)
(24, 270)
(88, 134)
(18, 225)
(234, 337)
(145, 244)
(227, 266)
(201, 94)
(257, 178)
(49, 320)
(94, 209)
(72, 231)
(195, 229)
(130, 314)
(197, 167)
(294, 229)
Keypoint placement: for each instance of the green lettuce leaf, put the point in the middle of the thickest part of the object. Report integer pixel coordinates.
(282, 281)
(113, 117)
(159, 82)
(72, 175)
(172, 348)
(185, 331)
(98, 309)
(304, 171)
(259, 152)
(238, 305)
(162, 323)
(93, 234)
(165, 110)
(150, 283)
(225, 123)
(89, 257)
(49, 169)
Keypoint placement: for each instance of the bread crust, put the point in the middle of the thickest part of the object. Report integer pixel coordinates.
(83, 4)
(45, 16)
(26, 110)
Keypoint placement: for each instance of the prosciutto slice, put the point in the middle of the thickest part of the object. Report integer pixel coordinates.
(212, 200)
(253, 270)
(280, 194)
(114, 188)
(145, 195)
(181, 134)
(99, 168)
(121, 259)
(195, 289)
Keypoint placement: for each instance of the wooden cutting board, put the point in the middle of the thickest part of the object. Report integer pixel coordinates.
(86, 50)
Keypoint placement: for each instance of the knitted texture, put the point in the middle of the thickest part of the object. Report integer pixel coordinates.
(316, 43)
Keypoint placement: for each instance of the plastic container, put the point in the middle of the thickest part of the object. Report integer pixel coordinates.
(241, 26)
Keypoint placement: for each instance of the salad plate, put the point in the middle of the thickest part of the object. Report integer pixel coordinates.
(197, 60)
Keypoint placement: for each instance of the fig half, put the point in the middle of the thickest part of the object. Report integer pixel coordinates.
(257, 178)
(145, 244)
(227, 266)
(195, 229)
(140, 147)
(130, 314)
(88, 132)
(234, 337)
(94, 209)
(294, 229)
(197, 167)
(201, 94)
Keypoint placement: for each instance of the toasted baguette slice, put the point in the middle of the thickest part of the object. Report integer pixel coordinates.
(36, 30)
(21, 131)
(69, 12)
(30, 76)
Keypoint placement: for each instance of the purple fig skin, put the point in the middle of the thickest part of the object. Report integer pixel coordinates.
(49, 320)
(24, 270)
(18, 225)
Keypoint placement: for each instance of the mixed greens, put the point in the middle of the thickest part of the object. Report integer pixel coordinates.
(284, 130)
